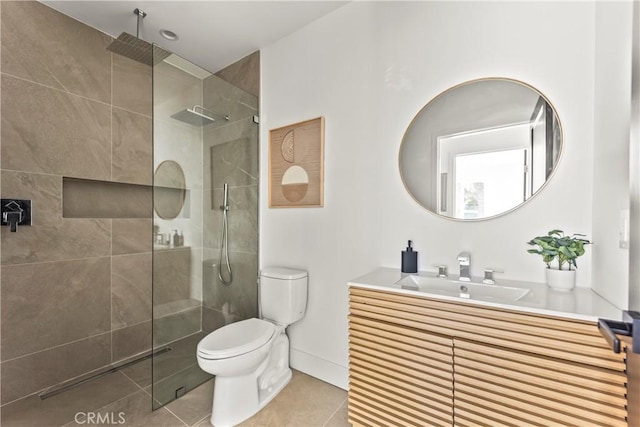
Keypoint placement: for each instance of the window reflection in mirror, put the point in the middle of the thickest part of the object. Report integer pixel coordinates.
(480, 149)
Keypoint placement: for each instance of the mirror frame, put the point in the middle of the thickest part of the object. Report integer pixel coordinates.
(468, 82)
(179, 193)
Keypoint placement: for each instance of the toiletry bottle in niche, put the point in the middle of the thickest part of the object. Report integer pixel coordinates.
(409, 263)
(176, 239)
(181, 239)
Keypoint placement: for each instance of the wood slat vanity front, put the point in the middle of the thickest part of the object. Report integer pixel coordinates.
(418, 361)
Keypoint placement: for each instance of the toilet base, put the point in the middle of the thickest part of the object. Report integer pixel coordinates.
(236, 399)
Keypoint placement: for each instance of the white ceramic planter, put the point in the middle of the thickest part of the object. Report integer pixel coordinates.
(561, 280)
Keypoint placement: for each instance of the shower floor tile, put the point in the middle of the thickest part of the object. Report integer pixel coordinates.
(116, 399)
(62, 408)
(132, 410)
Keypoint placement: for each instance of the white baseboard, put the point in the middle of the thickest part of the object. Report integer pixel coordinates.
(322, 369)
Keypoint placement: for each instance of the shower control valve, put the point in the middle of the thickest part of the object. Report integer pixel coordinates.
(15, 212)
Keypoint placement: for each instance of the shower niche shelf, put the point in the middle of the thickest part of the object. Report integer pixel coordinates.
(85, 198)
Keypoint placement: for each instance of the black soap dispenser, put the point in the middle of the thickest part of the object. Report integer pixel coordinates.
(409, 260)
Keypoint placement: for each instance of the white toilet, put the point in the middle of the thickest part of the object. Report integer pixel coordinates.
(250, 358)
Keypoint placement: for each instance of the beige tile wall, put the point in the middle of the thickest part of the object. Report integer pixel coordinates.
(230, 154)
(75, 293)
(244, 73)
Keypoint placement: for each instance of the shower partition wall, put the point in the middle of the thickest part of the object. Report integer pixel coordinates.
(204, 135)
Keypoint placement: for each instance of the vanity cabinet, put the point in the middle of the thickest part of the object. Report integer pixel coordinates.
(416, 361)
(398, 375)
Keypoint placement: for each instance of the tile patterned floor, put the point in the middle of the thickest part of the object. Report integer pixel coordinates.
(305, 402)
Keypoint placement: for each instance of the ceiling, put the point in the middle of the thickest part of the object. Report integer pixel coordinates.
(212, 34)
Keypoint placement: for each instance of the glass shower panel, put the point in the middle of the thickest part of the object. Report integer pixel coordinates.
(194, 112)
(230, 154)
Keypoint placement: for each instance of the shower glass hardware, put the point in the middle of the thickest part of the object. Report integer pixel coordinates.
(15, 212)
(224, 240)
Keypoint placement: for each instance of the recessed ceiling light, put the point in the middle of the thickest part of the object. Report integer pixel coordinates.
(169, 35)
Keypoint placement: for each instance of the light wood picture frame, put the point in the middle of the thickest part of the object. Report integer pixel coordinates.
(296, 165)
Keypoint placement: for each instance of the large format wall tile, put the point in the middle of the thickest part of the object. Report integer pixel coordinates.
(170, 328)
(47, 47)
(131, 236)
(53, 303)
(49, 131)
(51, 237)
(244, 73)
(132, 85)
(224, 98)
(234, 162)
(171, 275)
(212, 319)
(239, 300)
(130, 290)
(132, 147)
(242, 219)
(32, 373)
(131, 340)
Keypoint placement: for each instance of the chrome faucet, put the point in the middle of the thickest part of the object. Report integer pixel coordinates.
(464, 259)
(442, 271)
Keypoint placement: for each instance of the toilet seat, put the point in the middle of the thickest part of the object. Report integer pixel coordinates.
(236, 339)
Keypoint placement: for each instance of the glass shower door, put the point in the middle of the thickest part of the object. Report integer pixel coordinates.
(203, 136)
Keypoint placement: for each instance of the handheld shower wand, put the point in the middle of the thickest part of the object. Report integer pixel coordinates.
(225, 198)
(224, 240)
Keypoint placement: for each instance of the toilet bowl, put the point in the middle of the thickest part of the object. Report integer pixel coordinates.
(250, 358)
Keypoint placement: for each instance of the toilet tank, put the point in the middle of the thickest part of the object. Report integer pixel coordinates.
(283, 294)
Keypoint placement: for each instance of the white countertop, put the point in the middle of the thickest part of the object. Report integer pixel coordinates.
(579, 304)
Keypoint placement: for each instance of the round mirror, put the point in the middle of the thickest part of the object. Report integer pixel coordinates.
(480, 149)
(169, 189)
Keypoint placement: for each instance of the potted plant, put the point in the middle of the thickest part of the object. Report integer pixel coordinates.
(565, 249)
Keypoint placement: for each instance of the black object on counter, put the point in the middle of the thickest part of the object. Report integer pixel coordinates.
(409, 260)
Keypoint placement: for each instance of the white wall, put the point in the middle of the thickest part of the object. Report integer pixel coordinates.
(612, 113)
(368, 68)
(634, 160)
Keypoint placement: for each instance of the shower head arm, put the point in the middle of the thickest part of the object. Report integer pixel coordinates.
(140, 14)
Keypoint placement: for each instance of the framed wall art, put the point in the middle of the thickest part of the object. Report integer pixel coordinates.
(296, 165)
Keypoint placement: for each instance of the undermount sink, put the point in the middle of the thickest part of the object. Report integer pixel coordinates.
(459, 289)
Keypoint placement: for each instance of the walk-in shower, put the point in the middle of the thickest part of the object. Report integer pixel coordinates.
(106, 295)
(192, 114)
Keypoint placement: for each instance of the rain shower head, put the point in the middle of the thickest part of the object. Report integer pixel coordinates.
(197, 116)
(133, 47)
(137, 49)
